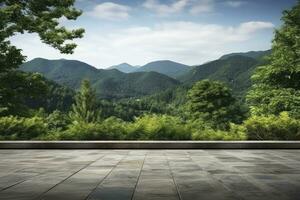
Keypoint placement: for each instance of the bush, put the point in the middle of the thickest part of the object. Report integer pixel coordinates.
(57, 121)
(272, 127)
(158, 127)
(14, 128)
(110, 129)
(200, 131)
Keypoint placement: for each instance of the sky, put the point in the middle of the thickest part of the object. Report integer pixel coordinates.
(191, 32)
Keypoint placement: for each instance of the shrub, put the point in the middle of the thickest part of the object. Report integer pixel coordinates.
(204, 132)
(110, 129)
(14, 128)
(158, 127)
(272, 127)
(57, 121)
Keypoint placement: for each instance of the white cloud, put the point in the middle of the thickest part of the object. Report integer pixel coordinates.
(110, 11)
(165, 9)
(252, 27)
(186, 42)
(235, 4)
(202, 6)
(194, 6)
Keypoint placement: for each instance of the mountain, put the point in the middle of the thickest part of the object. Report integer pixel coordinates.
(166, 67)
(235, 71)
(124, 67)
(108, 83)
(252, 54)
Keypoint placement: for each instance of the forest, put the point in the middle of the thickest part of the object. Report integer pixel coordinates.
(253, 96)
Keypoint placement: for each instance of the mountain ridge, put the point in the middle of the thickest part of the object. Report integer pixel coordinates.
(109, 83)
(124, 67)
(166, 67)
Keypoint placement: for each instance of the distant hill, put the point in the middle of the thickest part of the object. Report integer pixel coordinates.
(108, 83)
(234, 69)
(251, 54)
(166, 67)
(124, 67)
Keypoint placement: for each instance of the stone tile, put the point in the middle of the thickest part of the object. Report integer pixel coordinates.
(149, 174)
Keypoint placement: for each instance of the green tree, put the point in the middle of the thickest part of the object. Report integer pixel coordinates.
(276, 86)
(85, 108)
(32, 16)
(212, 102)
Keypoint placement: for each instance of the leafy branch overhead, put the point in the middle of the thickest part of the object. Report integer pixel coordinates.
(32, 16)
(42, 17)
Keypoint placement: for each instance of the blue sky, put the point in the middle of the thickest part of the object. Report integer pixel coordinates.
(187, 31)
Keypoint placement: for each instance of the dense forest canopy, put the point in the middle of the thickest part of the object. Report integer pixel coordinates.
(254, 95)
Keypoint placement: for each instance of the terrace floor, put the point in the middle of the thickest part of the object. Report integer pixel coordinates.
(149, 174)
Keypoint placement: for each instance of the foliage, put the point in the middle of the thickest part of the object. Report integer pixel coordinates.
(202, 131)
(148, 127)
(266, 99)
(109, 129)
(15, 87)
(57, 121)
(235, 71)
(213, 102)
(34, 16)
(40, 17)
(85, 107)
(272, 127)
(56, 97)
(276, 85)
(158, 127)
(110, 84)
(17, 128)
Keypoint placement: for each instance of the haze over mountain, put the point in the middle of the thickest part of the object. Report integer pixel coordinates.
(167, 67)
(124, 67)
(108, 83)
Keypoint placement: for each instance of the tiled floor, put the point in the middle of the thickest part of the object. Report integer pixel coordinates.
(149, 174)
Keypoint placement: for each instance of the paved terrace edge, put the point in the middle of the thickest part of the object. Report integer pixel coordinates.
(149, 144)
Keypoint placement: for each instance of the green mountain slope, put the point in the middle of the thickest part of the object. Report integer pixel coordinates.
(166, 67)
(235, 71)
(124, 67)
(252, 54)
(108, 83)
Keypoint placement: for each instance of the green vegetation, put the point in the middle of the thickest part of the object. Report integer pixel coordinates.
(235, 71)
(33, 16)
(166, 67)
(19, 128)
(80, 102)
(107, 83)
(272, 127)
(124, 67)
(213, 103)
(277, 85)
(85, 108)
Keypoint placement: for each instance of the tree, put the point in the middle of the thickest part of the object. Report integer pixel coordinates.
(32, 16)
(85, 107)
(16, 87)
(212, 102)
(276, 86)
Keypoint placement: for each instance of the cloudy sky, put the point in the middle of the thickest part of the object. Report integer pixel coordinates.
(187, 31)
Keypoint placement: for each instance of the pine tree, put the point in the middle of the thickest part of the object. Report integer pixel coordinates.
(85, 107)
